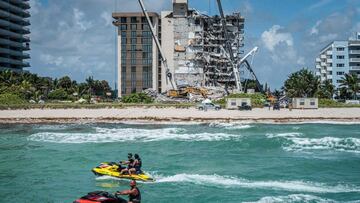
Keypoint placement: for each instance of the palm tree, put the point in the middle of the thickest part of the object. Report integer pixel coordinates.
(302, 83)
(351, 82)
(327, 90)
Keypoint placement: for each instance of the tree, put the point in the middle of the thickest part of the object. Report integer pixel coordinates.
(327, 90)
(302, 83)
(65, 83)
(351, 82)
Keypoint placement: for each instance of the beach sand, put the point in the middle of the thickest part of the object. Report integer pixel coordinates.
(177, 115)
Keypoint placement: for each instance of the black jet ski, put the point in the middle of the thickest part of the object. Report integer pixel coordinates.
(100, 197)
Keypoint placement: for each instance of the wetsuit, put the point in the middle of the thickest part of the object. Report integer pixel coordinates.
(135, 198)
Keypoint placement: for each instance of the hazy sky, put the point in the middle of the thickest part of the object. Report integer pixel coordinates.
(76, 37)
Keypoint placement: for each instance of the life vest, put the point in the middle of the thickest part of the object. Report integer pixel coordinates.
(135, 197)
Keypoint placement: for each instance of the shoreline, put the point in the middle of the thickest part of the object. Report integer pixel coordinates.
(180, 116)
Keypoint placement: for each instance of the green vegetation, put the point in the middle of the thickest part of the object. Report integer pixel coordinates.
(8, 99)
(329, 103)
(29, 86)
(302, 83)
(351, 84)
(137, 98)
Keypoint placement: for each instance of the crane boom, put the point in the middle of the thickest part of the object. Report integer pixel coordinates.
(163, 59)
(229, 48)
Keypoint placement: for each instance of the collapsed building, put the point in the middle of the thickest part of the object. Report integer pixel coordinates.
(200, 50)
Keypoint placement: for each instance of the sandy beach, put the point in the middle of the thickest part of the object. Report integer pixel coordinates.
(177, 115)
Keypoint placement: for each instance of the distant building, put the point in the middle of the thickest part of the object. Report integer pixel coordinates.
(14, 41)
(138, 61)
(337, 59)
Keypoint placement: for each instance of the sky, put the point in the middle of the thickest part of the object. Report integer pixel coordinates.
(77, 38)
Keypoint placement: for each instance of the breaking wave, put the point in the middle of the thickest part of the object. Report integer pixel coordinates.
(230, 126)
(294, 198)
(283, 135)
(228, 181)
(129, 134)
(325, 143)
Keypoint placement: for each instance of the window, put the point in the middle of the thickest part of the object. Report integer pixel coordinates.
(312, 102)
(340, 57)
(330, 64)
(340, 65)
(123, 27)
(133, 40)
(123, 47)
(340, 73)
(123, 40)
(133, 34)
(123, 19)
(133, 26)
(133, 61)
(146, 40)
(133, 47)
(133, 79)
(339, 81)
(123, 54)
(123, 80)
(146, 34)
(133, 20)
(302, 102)
(146, 55)
(123, 34)
(233, 102)
(340, 48)
(145, 27)
(147, 77)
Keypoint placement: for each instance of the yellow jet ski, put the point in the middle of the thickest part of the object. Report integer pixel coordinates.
(113, 169)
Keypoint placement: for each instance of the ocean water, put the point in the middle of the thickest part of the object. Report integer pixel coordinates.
(216, 162)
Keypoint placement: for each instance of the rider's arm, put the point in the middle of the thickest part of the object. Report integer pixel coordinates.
(124, 192)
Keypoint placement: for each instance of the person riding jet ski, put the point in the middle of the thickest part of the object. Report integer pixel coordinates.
(133, 192)
(136, 165)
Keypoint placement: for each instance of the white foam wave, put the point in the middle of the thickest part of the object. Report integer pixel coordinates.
(284, 135)
(107, 178)
(227, 181)
(325, 143)
(52, 127)
(296, 198)
(129, 134)
(230, 126)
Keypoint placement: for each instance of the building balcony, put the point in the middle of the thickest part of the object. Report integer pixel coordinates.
(14, 35)
(7, 6)
(329, 68)
(329, 77)
(323, 64)
(329, 53)
(14, 44)
(318, 60)
(323, 71)
(354, 67)
(354, 43)
(318, 67)
(354, 59)
(354, 51)
(322, 56)
(14, 62)
(329, 60)
(14, 26)
(22, 3)
(317, 73)
(13, 17)
(14, 53)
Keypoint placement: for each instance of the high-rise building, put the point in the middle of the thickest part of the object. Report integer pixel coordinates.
(14, 41)
(195, 46)
(337, 59)
(138, 62)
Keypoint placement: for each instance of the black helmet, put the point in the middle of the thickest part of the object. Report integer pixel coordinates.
(136, 156)
(130, 155)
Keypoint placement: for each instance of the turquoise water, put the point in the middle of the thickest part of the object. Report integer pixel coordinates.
(192, 163)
